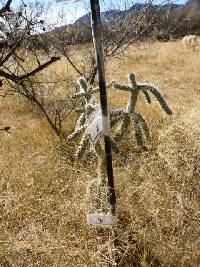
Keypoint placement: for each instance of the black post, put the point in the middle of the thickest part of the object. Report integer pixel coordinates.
(99, 49)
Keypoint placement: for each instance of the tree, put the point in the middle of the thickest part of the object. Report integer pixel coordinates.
(16, 29)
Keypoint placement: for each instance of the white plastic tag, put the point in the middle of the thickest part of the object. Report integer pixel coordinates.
(98, 125)
(95, 128)
(101, 219)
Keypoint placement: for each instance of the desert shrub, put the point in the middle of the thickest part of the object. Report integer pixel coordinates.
(160, 35)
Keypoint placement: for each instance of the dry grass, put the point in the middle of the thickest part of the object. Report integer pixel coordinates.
(42, 201)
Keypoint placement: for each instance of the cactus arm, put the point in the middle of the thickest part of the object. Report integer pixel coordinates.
(132, 101)
(80, 110)
(89, 110)
(138, 135)
(85, 90)
(109, 84)
(114, 146)
(81, 121)
(122, 129)
(90, 107)
(155, 91)
(117, 112)
(120, 86)
(83, 84)
(78, 95)
(95, 89)
(77, 132)
(143, 124)
(82, 147)
(116, 116)
(138, 131)
(147, 96)
(78, 128)
(132, 81)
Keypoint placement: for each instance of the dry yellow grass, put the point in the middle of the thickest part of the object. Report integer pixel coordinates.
(42, 200)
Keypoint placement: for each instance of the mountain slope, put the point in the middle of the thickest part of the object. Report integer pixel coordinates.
(113, 14)
(192, 7)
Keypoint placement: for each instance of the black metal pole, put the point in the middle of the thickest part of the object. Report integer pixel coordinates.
(99, 49)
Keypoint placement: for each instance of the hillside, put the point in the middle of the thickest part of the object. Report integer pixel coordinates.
(188, 21)
(192, 7)
(112, 15)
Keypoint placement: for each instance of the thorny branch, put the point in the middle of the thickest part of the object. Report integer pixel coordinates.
(15, 35)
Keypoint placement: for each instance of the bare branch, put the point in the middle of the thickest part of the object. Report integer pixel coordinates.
(6, 8)
(16, 78)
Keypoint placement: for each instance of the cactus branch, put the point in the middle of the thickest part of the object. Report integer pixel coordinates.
(116, 116)
(147, 96)
(138, 131)
(122, 129)
(128, 115)
(143, 123)
(120, 86)
(155, 91)
(82, 147)
(76, 133)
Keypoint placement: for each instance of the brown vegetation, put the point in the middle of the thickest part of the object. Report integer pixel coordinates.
(43, 204)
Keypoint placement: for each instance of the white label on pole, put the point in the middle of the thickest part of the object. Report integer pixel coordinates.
(98, 125)
(95, 127)
(101, 219)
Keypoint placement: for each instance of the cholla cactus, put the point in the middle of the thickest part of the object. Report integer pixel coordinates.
(89, 105)
(90, 110)
(87, 111)
(125, 116)
(129, 115)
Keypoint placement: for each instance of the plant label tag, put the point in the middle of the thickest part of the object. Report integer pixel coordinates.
(101, 219)
(96, 128)
(98, 125)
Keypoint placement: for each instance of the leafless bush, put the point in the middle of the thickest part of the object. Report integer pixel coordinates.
(15, 69)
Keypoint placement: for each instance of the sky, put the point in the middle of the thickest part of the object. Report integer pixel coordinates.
(61, 14)
(73, 11)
